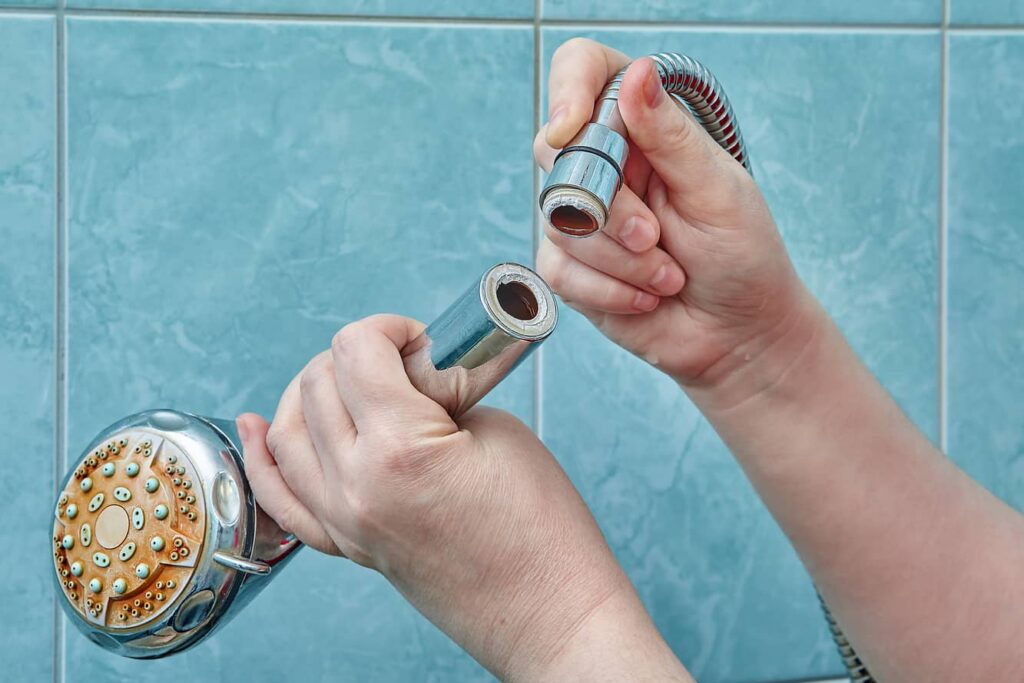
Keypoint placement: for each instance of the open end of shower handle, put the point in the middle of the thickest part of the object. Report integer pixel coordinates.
(484, 335)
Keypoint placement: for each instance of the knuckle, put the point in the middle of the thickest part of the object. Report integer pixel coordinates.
(681, 133)
(343, 338)
(309, 380)
(276, 438)
(573, 46)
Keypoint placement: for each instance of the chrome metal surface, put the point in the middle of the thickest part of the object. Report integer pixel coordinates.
(212, 453)
(482, 337)
(461, 356)
(856, 668)
(242, 564)
(579, 191)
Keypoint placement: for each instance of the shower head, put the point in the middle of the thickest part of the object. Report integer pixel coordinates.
(157, 538)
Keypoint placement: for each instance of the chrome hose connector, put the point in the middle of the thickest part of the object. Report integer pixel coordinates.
(584, 180)
(588, 173)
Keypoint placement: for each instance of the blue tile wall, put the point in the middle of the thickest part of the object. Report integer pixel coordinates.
(846, 151)
(239, 191)
(27, 171)
(412, 8)
(769, 11)
(995, 12)
(236, 190)
(986, 260)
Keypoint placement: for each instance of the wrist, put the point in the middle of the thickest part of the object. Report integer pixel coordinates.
(616, 641)
(759, 366)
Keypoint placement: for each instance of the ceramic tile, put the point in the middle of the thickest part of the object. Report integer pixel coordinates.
(28, 3)
(757, 11)
(986, 261)
(27, 275)
(501, 9)
(986, 12)
(238, 192)
(846, 151)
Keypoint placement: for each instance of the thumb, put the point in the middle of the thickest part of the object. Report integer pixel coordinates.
(702, 179)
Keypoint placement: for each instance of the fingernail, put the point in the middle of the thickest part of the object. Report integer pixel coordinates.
(668, 280)
(243, 429)
(644, 301)
(556, 118)
(653, 89)
(638, 234)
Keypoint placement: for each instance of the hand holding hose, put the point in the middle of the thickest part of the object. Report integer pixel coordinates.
(689, 271)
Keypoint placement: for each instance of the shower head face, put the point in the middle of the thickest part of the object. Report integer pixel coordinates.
(157, 540)
(128, 530)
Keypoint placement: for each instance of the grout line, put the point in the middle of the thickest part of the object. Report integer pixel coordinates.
(944, 234)
(538, 360)
(60, 322)
(583, 25)
(992, 30)
(217, 16)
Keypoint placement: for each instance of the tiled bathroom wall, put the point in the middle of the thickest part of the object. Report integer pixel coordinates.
(195, 194)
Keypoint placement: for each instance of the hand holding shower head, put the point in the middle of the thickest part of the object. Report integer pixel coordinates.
(588, 172)
(157, 537)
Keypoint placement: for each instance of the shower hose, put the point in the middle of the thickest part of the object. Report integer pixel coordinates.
(588, 172)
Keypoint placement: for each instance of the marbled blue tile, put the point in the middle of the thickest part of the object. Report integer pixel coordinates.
(27, 157)
(986, 261)
(986, 12)
(769, 11)
(402, 8)
(846, 150)
(28, 3)
(239, 191)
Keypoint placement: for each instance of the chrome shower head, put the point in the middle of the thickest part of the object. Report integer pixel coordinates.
(157, 538)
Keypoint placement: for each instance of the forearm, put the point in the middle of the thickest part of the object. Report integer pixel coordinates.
(923, 568)
(617, 642)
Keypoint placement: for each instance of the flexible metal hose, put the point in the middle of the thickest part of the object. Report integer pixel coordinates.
(587, 173)
(857, 670)
(693, 84)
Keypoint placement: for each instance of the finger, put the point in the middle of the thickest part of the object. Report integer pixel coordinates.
(631, 222)
(271, 491)
(579, 284)
(653, 270)
(543, 152)
(292, 448)
(330, 427)
(371, 376)
(690, 163)
(580, 68)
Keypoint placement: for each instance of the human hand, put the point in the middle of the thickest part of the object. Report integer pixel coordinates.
(475, 523)
(690, 272)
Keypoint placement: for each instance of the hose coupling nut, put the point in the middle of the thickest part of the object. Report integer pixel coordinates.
(584, 179)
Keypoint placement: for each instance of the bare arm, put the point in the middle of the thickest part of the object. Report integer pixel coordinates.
(923, 568)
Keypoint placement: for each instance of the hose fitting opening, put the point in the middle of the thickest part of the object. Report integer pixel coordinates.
(584, 179)
(587, 174)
